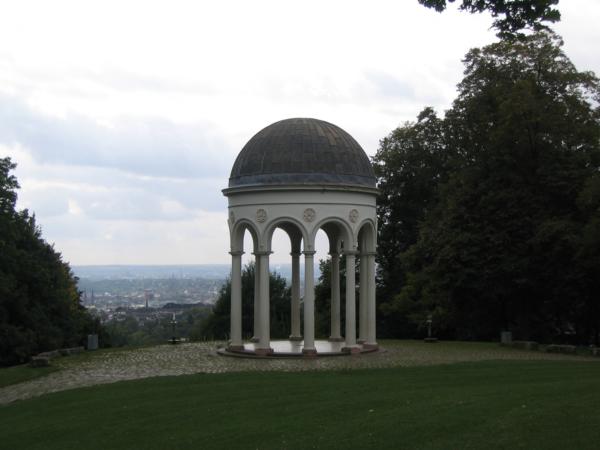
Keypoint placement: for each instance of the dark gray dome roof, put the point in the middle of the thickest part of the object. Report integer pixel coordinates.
(302, 151)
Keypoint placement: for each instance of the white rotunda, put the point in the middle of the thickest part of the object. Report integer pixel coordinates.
(304, 175)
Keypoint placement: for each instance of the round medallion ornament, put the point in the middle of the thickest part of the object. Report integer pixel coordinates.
(353, 215)
(309, 215)
(261, 215)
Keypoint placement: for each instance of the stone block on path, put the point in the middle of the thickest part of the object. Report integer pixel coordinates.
(39, 361)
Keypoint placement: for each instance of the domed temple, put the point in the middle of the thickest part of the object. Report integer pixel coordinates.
(304, 175)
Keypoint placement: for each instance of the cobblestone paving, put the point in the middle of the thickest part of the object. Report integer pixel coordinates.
(167, 360)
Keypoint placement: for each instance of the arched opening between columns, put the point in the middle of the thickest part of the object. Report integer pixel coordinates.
(297, 235)
(237, 233)
(342, 244)
(287, 237)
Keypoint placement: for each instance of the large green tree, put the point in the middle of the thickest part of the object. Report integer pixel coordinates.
(505, 245)
(39, 301)
(588, 259)
(410, 164)
(511, 17)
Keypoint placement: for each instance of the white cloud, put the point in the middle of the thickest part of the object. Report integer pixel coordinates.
(146, 146)
(198, 240)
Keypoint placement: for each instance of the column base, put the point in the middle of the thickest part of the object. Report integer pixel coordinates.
(309, 352)
(361, 341)
(352, 349)
(371, 346)
(254, 339)
(263, 351)
(235, 348)
(295, 338)
(336, 339)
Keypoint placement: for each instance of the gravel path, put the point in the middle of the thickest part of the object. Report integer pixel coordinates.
(164, 360)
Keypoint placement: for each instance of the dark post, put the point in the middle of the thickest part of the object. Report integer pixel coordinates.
(429, 338)
(174, 339)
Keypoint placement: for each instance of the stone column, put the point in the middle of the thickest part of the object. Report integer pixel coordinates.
(235, 343)
(263, 347)
(309, 304)
(372, 305)
(256, 311)
(335, 298)
(295, 335)
(350, 345)
(362, 299)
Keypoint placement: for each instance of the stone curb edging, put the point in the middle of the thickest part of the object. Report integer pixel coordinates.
(550, 348)
(43, 359)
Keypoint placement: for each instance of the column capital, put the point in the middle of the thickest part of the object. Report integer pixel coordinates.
(261, 253)
(368, 254)
(309, 252)
(334, 253)
(237, 253)
(295, 253)
(350, 252)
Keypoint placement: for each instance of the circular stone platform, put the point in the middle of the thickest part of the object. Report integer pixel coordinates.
(293, 349)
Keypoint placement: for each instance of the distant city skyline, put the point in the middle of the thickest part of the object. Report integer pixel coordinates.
(125, 118)
(177, 271)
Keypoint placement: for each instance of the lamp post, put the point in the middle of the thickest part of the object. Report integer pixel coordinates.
(174, 340)
(429, 338)
(428, 326)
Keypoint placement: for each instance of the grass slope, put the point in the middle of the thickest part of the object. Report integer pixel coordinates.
(18, 374)
(545, 405)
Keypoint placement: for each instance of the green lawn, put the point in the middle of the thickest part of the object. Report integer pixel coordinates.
(17, 374)
(481, 405)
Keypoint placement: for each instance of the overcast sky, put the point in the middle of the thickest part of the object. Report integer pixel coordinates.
(125, 117)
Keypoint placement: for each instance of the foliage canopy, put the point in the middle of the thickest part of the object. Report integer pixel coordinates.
(510, 16)
(489, 216)
(39, 301)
